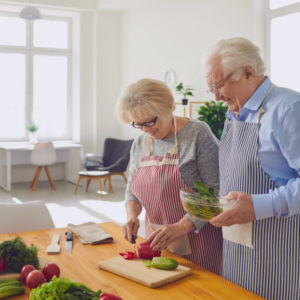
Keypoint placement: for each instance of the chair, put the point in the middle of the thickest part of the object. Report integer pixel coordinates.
(115, 158)
(97, 175)
(26, 216)
(43, 155)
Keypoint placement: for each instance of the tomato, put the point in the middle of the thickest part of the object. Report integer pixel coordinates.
(2, 263)
(145, 251)
(50, 270)
(34, 279)
(25, 271)
(106, 296)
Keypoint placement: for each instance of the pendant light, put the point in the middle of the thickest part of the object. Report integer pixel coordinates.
(30, 13)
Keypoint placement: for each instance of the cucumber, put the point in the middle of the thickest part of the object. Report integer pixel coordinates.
(164, 263)
(10, 291)
(11, 283)
(8, 280)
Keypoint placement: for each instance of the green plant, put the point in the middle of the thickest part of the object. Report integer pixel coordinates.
(184, 91)
(32, 127)
(213, 114)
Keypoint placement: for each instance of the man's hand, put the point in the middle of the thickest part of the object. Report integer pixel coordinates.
(241, 212)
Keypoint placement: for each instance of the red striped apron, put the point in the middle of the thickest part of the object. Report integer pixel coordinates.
(157, 185)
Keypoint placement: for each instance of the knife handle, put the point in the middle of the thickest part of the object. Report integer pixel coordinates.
(55, 239)
(69, 235)
(133, 239)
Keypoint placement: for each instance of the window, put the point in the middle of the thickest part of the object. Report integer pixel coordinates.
(283, 46)
(35, 60)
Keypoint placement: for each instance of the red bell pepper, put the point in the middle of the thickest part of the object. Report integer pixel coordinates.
(145, 251)
(106, 296)
(2, 263)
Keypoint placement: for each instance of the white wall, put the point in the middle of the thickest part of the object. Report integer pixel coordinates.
(108, 75)
(162, 34)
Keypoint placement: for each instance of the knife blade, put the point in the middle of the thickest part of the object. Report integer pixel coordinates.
(133, 243)
(69, 241)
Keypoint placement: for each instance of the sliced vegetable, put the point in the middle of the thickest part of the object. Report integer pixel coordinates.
(147, 263)
(25, 271)
(145, 251)
(128, 255)
(106, 296)
(10, 291)
(2, 263)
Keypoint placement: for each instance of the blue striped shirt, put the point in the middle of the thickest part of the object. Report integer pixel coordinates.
(278, 149)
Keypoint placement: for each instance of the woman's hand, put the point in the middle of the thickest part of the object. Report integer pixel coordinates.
(130, 229)
(166, 234)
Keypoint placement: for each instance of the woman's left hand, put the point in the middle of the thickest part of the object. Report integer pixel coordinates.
(166, 234)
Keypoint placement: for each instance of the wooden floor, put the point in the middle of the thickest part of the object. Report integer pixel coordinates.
(65, 207)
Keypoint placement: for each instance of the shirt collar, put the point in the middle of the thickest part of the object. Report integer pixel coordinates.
(256, 99)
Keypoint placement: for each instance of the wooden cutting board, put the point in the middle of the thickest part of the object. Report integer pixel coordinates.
(18, 276)
(136, 271)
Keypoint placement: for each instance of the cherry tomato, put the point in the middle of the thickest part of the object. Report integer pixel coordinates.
(50, 270)
(34, 279)
(25, 271)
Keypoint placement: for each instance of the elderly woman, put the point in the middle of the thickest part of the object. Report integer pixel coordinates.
(170, 154)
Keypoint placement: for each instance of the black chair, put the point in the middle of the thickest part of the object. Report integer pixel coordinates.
(115, 158)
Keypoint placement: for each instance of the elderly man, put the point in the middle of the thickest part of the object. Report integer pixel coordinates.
(260, 167)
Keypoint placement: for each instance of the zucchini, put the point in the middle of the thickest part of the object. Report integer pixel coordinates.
(12, 283)
(10, 291)
(8, 280)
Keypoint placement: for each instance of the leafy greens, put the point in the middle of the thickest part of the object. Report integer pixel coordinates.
(202, 210)
(18, 255)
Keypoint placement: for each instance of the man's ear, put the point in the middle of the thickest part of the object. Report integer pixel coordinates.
(249, 71)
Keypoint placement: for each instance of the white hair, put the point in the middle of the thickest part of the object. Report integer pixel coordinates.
(235, 54)
(145, 98)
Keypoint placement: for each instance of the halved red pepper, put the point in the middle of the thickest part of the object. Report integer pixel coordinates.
(145, 251)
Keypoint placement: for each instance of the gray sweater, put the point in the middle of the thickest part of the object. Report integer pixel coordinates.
(198, 157)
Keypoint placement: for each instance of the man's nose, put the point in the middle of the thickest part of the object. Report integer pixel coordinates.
(218, 97)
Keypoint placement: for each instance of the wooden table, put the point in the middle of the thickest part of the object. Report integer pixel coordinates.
(81, 266)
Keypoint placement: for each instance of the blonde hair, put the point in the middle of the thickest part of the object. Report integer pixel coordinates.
(236, 53)
(144, 99)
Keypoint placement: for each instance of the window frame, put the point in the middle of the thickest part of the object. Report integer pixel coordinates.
(29, 50)
(269, 15)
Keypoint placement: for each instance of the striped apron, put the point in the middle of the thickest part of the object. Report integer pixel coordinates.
(157, 185)
(270, 266)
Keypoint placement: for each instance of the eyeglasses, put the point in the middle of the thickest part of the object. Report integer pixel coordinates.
(216, 89)
(146, 124)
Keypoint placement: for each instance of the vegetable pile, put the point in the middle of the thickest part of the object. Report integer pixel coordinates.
(203, 209)
(14, 255)
(64, 289)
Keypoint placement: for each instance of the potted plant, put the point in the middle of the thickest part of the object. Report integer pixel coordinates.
(185, 92)
(213, 114)
(32, 128)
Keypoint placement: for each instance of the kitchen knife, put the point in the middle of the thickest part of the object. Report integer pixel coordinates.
(133, 243)
(69, 241)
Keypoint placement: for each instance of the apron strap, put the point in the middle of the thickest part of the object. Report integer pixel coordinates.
(261, 110)
(173, 151)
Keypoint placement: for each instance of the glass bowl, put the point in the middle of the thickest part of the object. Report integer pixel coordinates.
(201, 207)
